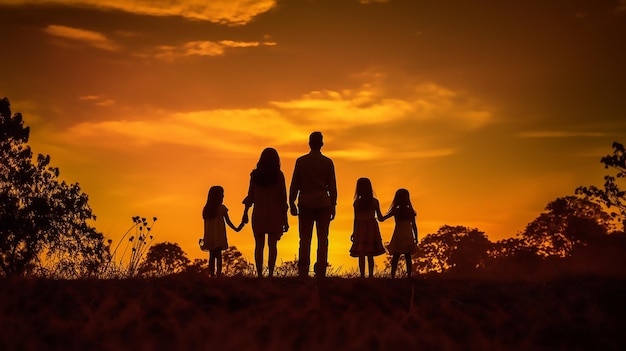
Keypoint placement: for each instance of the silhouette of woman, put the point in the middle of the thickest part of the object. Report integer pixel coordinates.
(404, 238)
(366, 239)
(268, 194)
(215, 216)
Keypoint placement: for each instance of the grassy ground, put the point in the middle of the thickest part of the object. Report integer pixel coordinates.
(198, 313)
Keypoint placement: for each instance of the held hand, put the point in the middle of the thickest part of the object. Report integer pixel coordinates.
(293, 209)
(285, 228)
(245, 219)
(240, 227)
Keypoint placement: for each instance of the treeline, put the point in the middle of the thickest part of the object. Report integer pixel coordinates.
(45, 231)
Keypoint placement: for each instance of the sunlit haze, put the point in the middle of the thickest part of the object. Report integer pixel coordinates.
(485, 111)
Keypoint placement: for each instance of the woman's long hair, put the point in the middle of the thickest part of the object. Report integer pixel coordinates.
(268, 168)
(401, 206)
(213, 202)
(364, 194)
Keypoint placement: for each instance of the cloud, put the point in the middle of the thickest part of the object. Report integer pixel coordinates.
(371, 105)
(223, 130)
(368, 152)
(558, 134)
(92, 38)
(203, 48)
(343, 114)
(98, 100)
(229, 12)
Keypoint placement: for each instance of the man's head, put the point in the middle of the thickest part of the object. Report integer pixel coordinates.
(315, 141)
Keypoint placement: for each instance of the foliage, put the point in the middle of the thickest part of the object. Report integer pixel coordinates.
(234, 263)
(511, 247)
(459, 249)
(569, 222)
(287, 268)
(611, 195)
(163, 259)
(43, 221)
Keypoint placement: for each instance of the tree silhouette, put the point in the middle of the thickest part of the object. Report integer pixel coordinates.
(43, 221)
(511, 247)
(568, 223)
(611, 195)
(460, 249)
(164, 259)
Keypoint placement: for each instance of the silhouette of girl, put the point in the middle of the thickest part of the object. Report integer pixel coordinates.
(366, 239)
(268, 193)
(215, 216)
(404, 238)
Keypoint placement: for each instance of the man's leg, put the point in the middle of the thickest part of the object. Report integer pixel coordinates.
(305, 226)
(322, 224)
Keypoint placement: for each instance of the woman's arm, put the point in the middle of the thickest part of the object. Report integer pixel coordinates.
(353, 223)
(283, 198)
(248, 201)
(415, 236)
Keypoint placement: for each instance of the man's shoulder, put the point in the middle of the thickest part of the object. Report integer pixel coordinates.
(314, 158)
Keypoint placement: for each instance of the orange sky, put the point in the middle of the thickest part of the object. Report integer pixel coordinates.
(485, 111)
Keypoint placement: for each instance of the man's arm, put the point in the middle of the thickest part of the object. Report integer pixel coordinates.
(293, 190)
(332, 189)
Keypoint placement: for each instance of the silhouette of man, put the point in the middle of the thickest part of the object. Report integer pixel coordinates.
(315, 186)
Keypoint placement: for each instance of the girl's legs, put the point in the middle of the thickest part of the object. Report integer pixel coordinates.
(362, 266)
(272, 241)
(409, 262)
(370, 262)
(212, 263)
(218, 263)
(258, 253)
(394, 264)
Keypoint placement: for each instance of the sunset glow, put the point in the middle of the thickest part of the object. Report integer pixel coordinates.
(484, 111)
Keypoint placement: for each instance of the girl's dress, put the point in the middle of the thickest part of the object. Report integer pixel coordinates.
(215, 231)
(402, 239)
(366, 240)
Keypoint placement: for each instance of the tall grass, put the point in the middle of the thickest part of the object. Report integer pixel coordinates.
(136, 245)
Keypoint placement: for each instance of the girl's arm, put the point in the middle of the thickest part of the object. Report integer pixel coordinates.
(387, 215)
(230, 223)
(379, 215)
(354, 224)
(415, 236)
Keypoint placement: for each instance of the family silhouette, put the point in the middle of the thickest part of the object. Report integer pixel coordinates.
(313, 199)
